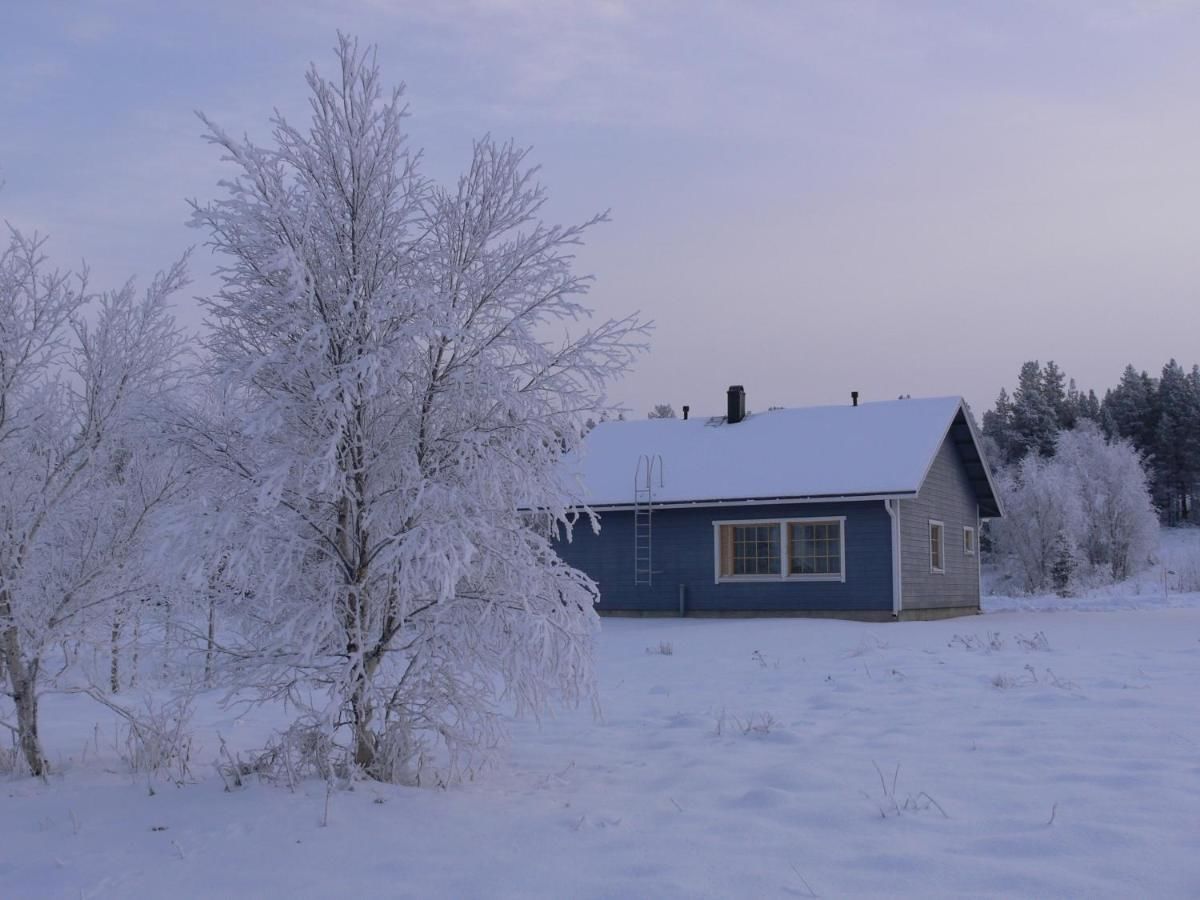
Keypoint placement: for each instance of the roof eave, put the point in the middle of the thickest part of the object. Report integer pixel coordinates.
(759, 501)
(990, 506)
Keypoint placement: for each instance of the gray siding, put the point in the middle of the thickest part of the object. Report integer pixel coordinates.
(684, 555)
(947, 496)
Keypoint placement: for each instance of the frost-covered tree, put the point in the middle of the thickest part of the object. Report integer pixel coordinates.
(1086, 512)
(1119, 527)
(80, 478)
(1043, 518)
(398, 393)
(661, 411)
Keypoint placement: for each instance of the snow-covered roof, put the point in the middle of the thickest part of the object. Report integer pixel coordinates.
(870, 450)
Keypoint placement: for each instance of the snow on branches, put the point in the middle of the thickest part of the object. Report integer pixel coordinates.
(392, 397)
(82, 469)
(1083, 514)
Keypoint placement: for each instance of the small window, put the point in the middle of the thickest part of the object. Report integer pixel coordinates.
(968, 540)
(937, 547)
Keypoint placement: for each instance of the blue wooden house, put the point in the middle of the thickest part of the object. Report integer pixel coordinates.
(867, 511)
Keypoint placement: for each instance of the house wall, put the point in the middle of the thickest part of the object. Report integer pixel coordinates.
(684, 552)
(946, 495)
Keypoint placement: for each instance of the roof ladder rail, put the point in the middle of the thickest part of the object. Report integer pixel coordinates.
(643, 516)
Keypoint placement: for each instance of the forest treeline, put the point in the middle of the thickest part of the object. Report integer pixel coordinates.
(1159, 416)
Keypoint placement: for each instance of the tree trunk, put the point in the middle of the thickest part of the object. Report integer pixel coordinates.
(364, 739)
(212, 636)
(22, 680)
(168, 638)
(114, 654)
(137, 640)
(26, 700)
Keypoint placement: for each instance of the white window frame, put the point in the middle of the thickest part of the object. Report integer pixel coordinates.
(969, 530)
(785, 549)
(936, 570)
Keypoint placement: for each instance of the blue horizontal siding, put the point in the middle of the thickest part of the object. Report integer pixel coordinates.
(684, 555)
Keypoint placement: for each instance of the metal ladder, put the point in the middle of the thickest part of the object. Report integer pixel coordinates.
(643, 516)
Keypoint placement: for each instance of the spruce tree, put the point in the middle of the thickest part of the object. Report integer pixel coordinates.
(1034, 419)
(1131, 409)
(1071, 413)
(1055, 393)
(1177, 441)
(997, 426)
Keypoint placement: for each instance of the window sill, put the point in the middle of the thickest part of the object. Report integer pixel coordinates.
(735, 579)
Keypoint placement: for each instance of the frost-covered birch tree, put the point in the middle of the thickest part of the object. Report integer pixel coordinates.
(1119, 526)
(1084, 514)
(80, 471)
(1043, 518)
(402, 382)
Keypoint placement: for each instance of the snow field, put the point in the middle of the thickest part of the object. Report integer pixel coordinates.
(1039, 755)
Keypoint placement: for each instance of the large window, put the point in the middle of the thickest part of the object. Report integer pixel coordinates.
(937, 547)
(800, 549)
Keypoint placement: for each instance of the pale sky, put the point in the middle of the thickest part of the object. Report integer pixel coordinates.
(807, 198)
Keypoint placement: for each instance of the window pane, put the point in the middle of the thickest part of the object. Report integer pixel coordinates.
(935, 546)
(755, 549)
(815, 548)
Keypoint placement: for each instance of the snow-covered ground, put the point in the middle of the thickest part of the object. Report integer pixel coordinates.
(1049, 748)
(1012, 754)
